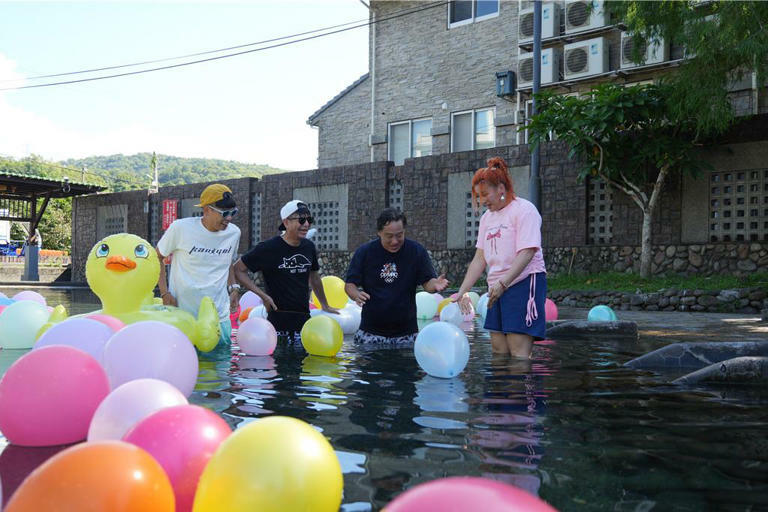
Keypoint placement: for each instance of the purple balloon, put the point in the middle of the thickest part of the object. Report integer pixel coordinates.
(257, 337)
(88, 335)
(250, 300)
(153, 350)
(30, 295)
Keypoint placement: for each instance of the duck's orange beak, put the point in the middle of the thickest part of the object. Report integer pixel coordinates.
(120, 264)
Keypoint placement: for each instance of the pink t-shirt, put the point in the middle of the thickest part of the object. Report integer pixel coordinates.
(503, 233)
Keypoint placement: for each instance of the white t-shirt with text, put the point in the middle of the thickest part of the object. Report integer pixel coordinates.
(200, 261)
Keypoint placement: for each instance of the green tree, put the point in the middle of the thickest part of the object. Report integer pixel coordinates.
(723, 41)
(627, 137)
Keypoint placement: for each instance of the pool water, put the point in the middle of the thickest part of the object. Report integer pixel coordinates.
(572, 425)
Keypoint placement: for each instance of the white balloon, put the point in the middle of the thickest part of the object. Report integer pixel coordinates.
(349, 319)
(426, 306)
(482, 306)
(258, 312)
(452, 314)
(442, 350)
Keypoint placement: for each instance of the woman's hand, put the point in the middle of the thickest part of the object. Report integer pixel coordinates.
(494, 292)
(465, 303)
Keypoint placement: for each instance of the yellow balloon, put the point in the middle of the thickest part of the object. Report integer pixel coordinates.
(334, 292)
(272, 464)
(442, 304)
(322, 336)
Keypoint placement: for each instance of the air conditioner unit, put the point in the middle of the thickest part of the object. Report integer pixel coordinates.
(550, 22)
(585, 58)
(550, 68)
(581, 15)
(655, 52)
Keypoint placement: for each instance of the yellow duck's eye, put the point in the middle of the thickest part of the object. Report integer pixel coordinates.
(102, 251)
(141, 251)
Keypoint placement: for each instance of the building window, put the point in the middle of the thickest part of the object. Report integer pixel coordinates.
(326, 214)
(472, 219)
(472, 130)
(410, 139)
(461, 12)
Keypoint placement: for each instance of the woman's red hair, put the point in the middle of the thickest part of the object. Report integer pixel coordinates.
(497, 173)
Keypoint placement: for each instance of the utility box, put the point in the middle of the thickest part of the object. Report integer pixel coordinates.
(505, 83)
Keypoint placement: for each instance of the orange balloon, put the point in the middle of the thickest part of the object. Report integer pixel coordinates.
(102, 475)
(244, 314)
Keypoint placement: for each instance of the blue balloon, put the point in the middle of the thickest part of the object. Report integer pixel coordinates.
(601, 313)
(5, 301)
(442, 350)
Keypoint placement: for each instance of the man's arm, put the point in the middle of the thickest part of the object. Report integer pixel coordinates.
(240, 273)
(317, 286)
(162, 283)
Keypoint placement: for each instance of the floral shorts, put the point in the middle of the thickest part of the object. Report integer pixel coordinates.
(366, 338)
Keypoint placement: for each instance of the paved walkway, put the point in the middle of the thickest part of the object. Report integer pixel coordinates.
(678, 326)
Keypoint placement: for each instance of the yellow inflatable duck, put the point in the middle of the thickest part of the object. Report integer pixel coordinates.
(122, 270)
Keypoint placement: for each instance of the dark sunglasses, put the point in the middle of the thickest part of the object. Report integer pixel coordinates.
(303, 220)
(226, 213)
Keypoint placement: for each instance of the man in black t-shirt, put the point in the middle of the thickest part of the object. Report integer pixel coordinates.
(389, 268)
(289, 265)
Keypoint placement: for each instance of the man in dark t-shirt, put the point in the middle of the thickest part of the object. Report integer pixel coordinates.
(388, 269)
(289, 265)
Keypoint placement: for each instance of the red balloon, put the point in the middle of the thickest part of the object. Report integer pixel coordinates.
(467, 494)
(182, 439)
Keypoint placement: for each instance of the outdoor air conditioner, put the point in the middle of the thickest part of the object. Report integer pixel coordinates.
(581, 15)
(655, 52)
(550, 68)
(585, 58)
(550, 22)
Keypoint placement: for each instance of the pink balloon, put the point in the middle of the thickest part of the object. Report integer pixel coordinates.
(467, 493)
(257, 337)
(30, 295)
(48, 396)
(182, 439)
(454, 295)
(86, 334)
(154, 350)
(130, 403)
(550, 310)
(312, 305)
(110, 321)
(2, 308)
(249, 300)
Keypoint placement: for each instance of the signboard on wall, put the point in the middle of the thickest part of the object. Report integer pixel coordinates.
(170, 212)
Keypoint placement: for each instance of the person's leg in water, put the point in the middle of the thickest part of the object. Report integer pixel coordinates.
(223, 348)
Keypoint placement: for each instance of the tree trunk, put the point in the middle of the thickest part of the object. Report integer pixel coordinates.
(645, 244)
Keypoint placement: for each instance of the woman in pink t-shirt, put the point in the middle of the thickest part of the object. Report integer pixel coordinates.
(509, 248)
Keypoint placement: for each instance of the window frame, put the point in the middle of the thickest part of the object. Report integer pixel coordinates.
(474, 112)
(474, 18)
(409, 122)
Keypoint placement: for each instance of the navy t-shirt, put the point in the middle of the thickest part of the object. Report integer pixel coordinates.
(391, 280)
(286, 277)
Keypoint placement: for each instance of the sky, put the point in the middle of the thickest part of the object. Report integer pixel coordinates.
(250, 108)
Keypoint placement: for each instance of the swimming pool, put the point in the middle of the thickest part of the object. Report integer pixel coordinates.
(573, 425)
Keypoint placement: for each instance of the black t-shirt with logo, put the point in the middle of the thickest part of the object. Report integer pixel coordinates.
(286, 276)
(391, 280)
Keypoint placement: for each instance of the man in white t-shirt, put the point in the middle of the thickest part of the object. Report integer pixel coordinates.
(202, 251)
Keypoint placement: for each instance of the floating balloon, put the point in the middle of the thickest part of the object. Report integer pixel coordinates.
(350, 318)
(467, 493)
(442, 350)
(87, 334)
(106, 475)
(322, 336)
(473, 297)
(482, 306)
(259, 312)
(5, 301)
(550, 310)
(442, 304)
(257, 337)
(30, 295)
(470, 315)
(153, 350)
(272, 464)
(335, 294)
(49, 395)
(452, 314)
(110, 321)
(250, 300)
(438, 297)
(20, 322)
(128, 404)
(182, 439)
(426, 307)
(243, 316)
(601, 313)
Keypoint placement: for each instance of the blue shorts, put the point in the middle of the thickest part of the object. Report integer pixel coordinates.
(520, 309)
